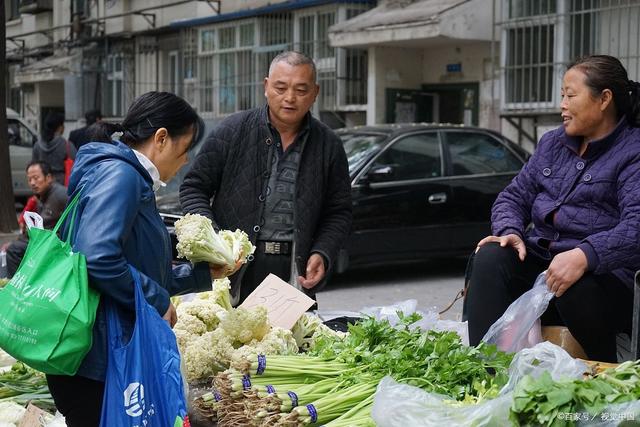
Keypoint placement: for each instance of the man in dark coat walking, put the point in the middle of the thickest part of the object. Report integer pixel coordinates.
(80, 136)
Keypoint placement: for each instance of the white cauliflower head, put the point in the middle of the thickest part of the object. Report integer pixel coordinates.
(207, 355)
(242, 325)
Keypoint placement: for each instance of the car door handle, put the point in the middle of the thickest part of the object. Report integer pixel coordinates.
(437, 198)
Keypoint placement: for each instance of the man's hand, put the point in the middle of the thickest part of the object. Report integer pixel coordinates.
(23, 228)
(171, 316)
(565, 269)
(222, 271)
(315, 272)
(512, 240)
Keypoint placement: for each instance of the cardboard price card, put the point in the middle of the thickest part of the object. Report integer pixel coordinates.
(35, 417)
(285, 304)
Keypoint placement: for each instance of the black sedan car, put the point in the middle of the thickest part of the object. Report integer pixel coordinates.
(418, 190)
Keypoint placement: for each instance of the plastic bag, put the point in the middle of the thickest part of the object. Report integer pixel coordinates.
(57, 421)
(519, 326)
(390, 312)
(543, 357)
(143, 384)
(613, 415)
(430, 320)
(400, 405)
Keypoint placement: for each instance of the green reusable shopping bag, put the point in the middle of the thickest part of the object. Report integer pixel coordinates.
(47, 309)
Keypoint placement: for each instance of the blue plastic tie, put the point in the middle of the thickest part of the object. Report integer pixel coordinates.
(294, 398)
(262, 364)
(246, 382)
(312, 412)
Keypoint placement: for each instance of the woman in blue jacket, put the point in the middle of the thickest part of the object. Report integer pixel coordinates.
(574, 211)
(118, 224)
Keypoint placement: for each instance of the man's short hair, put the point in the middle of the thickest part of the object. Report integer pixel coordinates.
(294, 58)
(92, 116)
(44, 167)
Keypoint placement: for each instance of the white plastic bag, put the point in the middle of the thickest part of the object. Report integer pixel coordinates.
(57, 421)
(543, 357)
(613, 415)
(390, 312)
(400, 405)
(519, 326)
(429, 321)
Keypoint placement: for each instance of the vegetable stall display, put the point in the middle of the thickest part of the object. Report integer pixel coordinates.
(334, 383)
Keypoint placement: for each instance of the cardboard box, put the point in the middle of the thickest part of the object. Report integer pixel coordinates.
(560, 336)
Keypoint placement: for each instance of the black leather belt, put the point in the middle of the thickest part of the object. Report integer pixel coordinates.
(274, 248)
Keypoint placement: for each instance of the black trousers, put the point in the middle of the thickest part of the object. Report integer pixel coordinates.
(261, 266)
(15, 253)
(594, 309)
(79, 399)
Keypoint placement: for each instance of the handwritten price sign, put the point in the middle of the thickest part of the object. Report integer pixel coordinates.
(285, 304)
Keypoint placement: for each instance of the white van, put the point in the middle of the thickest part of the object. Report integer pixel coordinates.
(21, 140)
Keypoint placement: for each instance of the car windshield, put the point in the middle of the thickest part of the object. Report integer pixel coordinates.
(360, 147)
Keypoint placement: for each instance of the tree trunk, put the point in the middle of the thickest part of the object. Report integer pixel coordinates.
(8, 220)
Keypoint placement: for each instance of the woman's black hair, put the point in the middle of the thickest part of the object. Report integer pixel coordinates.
(52, 122)
(607, 72)
(147, 114)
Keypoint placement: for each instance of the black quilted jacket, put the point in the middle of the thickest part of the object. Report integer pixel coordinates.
(231, 173)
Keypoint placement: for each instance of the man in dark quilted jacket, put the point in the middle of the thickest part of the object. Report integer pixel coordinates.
(574, 211)
(280, 175)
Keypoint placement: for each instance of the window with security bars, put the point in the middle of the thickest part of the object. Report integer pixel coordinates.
(233, 59)
(529, 65)
(115, 94)
(541, 37)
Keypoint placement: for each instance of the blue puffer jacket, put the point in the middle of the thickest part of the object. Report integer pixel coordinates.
(117, 224)
(590, 202)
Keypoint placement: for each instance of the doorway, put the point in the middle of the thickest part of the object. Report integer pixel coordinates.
(411, 106)
(457, 102)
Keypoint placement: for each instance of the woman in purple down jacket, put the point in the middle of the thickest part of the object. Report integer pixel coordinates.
(573, 210)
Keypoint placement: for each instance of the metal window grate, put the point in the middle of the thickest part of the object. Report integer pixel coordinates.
(226, 63)
(541, 37)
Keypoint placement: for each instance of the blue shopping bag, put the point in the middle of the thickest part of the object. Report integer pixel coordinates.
(143, 385)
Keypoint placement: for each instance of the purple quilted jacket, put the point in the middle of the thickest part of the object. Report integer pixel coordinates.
(560, 201)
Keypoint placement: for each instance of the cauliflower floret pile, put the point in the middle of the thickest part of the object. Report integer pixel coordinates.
(309, 328)
(206, 355)
(242, 325)
(212, 335)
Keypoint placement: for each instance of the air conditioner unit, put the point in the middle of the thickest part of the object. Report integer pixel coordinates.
(35, 6)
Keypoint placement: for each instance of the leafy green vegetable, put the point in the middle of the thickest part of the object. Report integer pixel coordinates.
(543, 401)
(435, 361)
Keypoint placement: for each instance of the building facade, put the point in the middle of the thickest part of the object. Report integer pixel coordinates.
(429, 61)
(491, 63)
(539, 38)
(75, 55)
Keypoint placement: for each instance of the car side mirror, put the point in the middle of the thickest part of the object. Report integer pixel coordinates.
(380, 173)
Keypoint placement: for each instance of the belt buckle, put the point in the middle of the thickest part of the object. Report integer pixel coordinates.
(272, 248)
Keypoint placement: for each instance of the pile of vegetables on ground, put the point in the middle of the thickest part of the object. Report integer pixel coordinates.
(211, 334)
(333, 378)
(19, 386)
(543, 401)
(333, 384)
